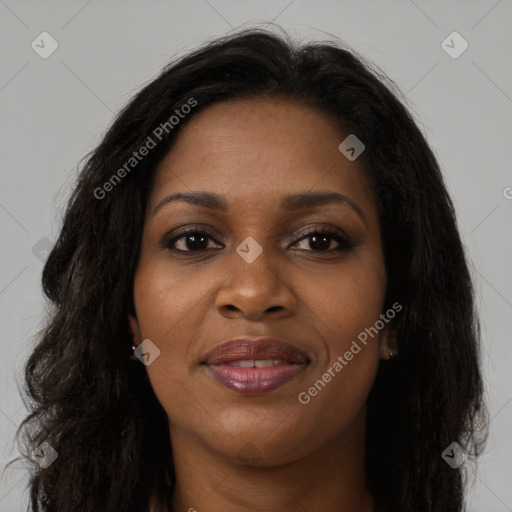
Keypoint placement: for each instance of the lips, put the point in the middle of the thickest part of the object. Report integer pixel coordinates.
(256, 349)
(253, 366)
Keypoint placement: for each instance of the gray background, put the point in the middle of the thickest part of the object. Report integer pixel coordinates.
(55, 110)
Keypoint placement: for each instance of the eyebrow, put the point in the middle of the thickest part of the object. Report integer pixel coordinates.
(290, 203)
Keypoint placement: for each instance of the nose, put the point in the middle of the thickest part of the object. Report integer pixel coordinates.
(255, 290)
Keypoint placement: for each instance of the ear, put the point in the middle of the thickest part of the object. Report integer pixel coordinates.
(388, 345)
(134, 327)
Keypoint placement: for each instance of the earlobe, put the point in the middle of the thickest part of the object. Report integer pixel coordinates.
(388, 343)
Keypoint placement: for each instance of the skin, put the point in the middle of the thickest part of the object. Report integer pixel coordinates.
(265, 452)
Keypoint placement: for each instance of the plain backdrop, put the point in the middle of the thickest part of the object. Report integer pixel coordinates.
(54, 110)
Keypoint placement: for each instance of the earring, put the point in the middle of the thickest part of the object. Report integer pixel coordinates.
(391, 353)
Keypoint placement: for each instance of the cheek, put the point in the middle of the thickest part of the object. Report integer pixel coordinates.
(344, 303)
(345, 309)
(165, 302)
(171, 310)
(165, 308)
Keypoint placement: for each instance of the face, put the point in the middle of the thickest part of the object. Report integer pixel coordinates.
(290, 248)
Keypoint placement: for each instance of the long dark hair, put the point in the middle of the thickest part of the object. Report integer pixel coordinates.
(96, 407)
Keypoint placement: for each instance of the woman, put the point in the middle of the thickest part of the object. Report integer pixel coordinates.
(260, 300)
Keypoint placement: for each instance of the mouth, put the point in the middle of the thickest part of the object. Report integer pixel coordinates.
(254, 366)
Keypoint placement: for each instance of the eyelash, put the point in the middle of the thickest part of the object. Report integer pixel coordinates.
(345, 243)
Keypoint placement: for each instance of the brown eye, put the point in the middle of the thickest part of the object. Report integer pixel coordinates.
(189, 241)
(321, 240)
(318, 240)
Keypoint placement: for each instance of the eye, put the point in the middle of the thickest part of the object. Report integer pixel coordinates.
(190, 240)
(321, 240)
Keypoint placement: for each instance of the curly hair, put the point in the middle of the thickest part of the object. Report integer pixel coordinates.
(96, 407)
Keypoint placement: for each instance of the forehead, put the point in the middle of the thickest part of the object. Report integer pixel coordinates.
(246, 149)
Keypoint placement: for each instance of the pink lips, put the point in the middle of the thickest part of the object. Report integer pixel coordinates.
(233, 364)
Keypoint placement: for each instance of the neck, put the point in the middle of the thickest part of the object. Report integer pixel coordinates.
(330, 478)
